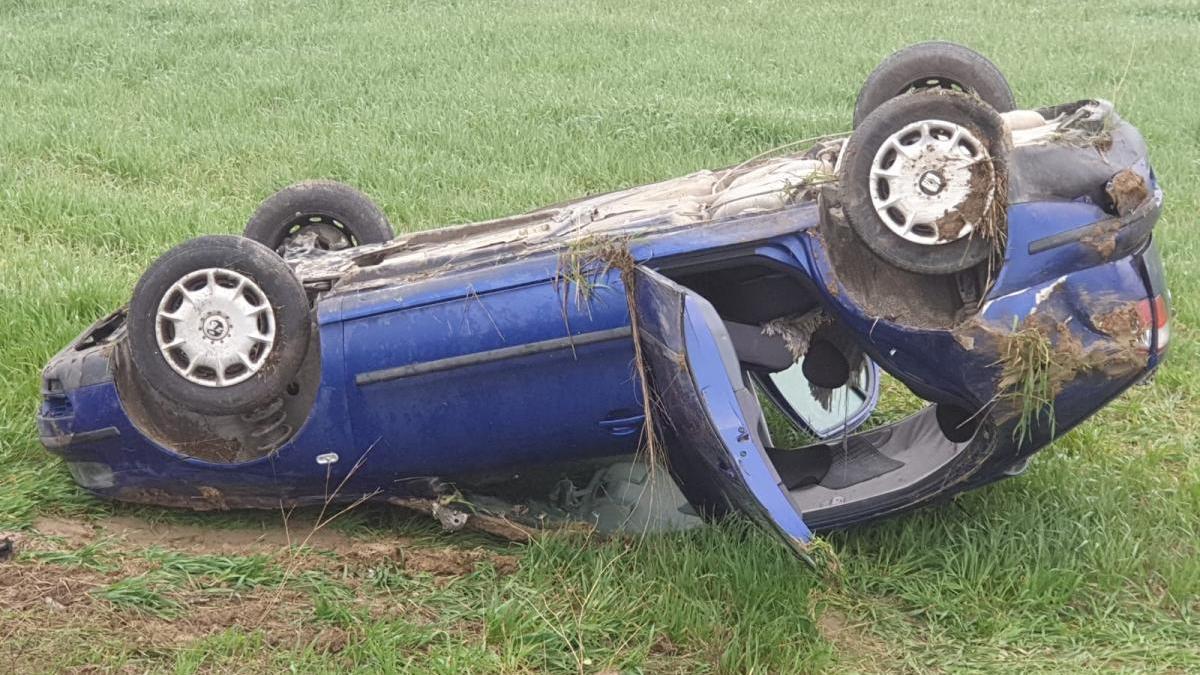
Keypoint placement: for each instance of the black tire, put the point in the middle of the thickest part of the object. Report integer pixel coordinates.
(289, 308)
(859, 154)
(342, 215)
(934, 65)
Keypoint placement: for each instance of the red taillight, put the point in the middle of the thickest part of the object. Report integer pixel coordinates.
(1152, 313)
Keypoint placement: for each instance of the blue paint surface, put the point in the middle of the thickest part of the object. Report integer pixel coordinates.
(572, 404)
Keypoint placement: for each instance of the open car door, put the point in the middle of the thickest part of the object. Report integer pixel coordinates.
(707, 413)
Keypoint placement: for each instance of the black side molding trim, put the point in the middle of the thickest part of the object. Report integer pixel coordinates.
(452, 362)
(65, 440)
(1135, 227)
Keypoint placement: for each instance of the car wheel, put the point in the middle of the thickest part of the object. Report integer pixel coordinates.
(934, 65)
(338, 215)
(924, 181)
(219, 325)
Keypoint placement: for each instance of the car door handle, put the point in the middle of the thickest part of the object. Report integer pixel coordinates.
(622, 426)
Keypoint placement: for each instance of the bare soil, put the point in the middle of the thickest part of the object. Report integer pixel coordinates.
(51, 610)
(48, 610)
(135, 533)
(855, 646)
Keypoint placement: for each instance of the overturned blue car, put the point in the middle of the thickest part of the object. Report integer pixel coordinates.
(999, 262)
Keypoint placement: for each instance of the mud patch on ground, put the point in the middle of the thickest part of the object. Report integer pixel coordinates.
(138, 533)
(153, 589)
(853, 644)
(74, 533)
(56, 588)
(55, 612)
(282, 616)
(456, 562)
(129, 533)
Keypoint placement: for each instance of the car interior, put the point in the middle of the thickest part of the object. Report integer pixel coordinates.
(838, 467)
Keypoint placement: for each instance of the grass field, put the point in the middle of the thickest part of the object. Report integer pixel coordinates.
(131, 126)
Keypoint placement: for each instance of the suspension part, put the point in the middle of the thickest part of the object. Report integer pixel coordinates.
(271, 429)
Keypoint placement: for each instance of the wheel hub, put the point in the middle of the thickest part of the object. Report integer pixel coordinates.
(215, 327)
(931, 183)
(318, 232)
(923, 172)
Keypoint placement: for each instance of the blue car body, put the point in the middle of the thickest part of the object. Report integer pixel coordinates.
(477, 369)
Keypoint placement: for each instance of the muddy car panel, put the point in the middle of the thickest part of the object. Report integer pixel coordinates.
(468, 358)
(374, 419)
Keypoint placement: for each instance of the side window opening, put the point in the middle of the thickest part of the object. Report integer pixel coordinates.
(765, 307)
(825, 411)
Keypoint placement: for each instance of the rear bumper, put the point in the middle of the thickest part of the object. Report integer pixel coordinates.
(1090, 392)
(1083, 310)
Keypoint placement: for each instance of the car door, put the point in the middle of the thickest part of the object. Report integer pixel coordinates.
(494, 372)
(707, 415)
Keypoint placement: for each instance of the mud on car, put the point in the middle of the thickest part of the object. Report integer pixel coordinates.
(999, 262)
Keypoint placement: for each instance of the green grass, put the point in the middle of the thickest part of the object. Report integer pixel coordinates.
(142, 595)
(131, 126)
